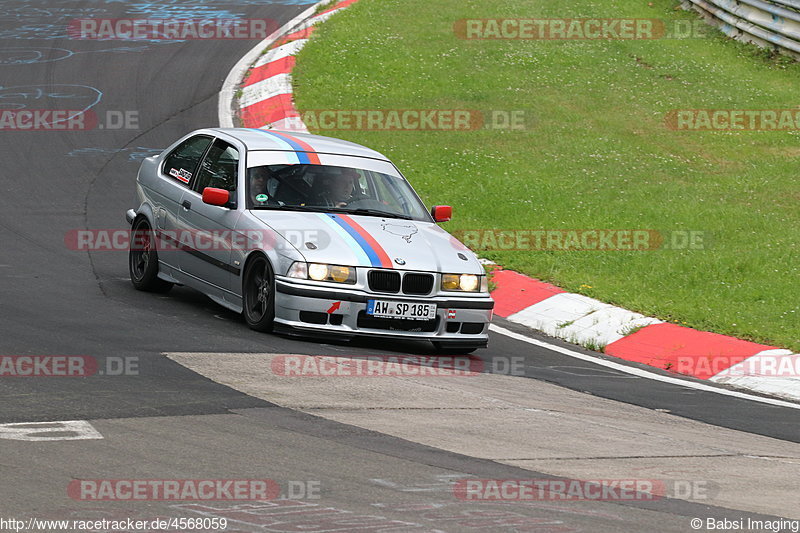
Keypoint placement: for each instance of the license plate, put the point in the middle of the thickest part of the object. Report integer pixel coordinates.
(389, 309)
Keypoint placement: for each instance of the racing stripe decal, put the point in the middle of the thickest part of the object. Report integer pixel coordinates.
(361, 257)
(305, 153)
(377, 255)
(291, 155)
(303, 147)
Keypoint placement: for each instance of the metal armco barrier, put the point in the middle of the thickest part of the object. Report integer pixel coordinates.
(771, 24)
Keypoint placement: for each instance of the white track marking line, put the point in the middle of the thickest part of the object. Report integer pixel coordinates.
(38, 431)
(640, 372)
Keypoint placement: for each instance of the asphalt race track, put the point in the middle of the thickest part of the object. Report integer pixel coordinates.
(169, 420)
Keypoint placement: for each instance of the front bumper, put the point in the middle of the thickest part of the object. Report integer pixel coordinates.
(460, 320)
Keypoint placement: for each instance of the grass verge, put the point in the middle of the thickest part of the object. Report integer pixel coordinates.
(595, 152)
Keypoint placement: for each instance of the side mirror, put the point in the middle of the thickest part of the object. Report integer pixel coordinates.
(214, 196)
(441, 213)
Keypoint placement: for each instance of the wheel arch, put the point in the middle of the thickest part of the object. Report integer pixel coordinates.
(145, 210)
(249, 259)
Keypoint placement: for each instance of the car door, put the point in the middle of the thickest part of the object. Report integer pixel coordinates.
(207, 254)
(176, 173)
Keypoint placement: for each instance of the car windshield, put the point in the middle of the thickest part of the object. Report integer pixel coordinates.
(335, 189)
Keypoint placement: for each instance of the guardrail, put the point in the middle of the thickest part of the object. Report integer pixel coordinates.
(771, 24)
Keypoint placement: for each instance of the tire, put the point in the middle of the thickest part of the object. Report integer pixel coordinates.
(451, 349)
(143, 259)
(258, 294)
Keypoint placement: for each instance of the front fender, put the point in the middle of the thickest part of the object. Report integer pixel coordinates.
(145, 210)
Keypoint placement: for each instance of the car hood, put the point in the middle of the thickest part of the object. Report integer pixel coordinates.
(367, 241)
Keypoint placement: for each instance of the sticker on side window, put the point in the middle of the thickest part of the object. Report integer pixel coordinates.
(183, 175)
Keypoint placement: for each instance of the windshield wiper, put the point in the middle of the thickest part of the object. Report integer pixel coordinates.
(369, 212)
(289, 207)
(343, 210)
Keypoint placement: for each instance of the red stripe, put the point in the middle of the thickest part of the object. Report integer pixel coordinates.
(281, 66)
(516, 292)
(684, 350)
(381, 253)
(268, 111)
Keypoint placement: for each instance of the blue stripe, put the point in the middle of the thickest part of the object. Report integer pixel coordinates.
(301, 152)
(361, 257)
(373, 257)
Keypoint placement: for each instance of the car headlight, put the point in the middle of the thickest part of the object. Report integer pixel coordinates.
(322, 272)
(462, 282)
(317, 272)
(298, 270)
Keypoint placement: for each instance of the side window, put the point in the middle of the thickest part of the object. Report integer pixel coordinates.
(219, 168)
(182, 162)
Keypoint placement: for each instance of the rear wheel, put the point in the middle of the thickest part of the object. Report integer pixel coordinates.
(143, 259)
(259, 294)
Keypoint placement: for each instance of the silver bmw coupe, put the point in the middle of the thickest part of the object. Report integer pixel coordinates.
(307, 235)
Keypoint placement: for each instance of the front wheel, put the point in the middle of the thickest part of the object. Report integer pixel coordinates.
(143, 259)
(259, 294)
